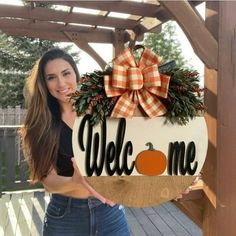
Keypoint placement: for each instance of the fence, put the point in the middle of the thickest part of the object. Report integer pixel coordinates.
(13, 168)
(11, 115)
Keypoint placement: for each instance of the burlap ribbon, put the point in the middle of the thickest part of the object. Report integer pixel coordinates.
(137, 84)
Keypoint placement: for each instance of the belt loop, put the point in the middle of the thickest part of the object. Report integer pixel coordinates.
(69, 204)
(90, 203)
(93, 202)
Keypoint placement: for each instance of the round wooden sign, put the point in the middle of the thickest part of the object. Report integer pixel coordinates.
(139, 162)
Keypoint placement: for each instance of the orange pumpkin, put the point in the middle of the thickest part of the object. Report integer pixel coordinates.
(151, 162)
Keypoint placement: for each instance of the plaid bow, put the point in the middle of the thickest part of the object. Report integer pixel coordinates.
(137, 84)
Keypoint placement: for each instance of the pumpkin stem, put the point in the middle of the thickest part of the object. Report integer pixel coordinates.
(151, 148)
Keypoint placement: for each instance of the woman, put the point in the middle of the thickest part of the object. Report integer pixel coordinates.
(75, 207)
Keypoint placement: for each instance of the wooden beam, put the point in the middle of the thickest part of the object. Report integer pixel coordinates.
(202, 41)
(45, 14)
(36, 14)
(82, 43)
(193, 209)
(128, 7)
(157, 29)
(193, 4)
(145, 10)
(53, 36)
(192, 203)
(59, 36)
(226, 125)
(53, 29)
(45, 26)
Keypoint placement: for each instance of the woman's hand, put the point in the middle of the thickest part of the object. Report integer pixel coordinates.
(78, 178)
(188, 189)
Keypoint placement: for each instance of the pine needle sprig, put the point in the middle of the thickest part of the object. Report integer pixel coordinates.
(91, 97)
(185, 97)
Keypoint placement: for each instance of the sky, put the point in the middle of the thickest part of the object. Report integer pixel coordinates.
(88, 64)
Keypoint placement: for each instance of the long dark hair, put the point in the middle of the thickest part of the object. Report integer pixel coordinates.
(40, 133)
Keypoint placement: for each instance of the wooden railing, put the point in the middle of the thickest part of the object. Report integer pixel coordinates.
(22, 214)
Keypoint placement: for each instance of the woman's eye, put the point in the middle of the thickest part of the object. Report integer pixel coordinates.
(50, 77)
(66, 73)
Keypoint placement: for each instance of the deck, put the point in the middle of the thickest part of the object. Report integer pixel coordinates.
(21, 214)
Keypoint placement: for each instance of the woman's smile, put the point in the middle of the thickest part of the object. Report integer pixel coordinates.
(66, 91)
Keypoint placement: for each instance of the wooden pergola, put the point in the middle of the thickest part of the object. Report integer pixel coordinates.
(213, 40)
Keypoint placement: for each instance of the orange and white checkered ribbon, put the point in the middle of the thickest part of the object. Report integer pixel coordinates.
(137, 84)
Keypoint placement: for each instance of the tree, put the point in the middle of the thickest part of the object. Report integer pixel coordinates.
(11, 87)
(166, 44)
(17, 57)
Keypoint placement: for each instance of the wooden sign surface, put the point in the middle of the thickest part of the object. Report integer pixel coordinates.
(115, 159)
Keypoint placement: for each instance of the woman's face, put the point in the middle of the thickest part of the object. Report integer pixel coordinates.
(60, 79)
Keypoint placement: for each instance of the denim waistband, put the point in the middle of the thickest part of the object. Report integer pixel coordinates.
(75, 202)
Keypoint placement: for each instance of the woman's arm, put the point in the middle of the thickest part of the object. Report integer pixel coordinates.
(55, 183)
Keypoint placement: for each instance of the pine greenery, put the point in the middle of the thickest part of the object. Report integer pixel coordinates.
(185, 97)
(184, 101)
(92, 98)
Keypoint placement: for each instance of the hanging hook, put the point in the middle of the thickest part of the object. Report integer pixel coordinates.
(138, 46)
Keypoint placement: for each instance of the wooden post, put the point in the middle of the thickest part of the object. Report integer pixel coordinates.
(226, 125)
(118, 42)
(210, 166)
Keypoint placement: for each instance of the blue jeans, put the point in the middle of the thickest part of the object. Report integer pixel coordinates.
(66, 216)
